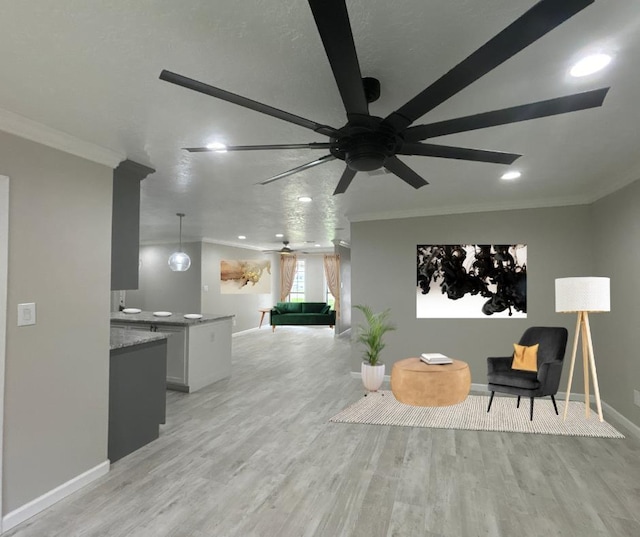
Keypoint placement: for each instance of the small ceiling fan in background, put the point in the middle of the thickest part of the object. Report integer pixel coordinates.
(285, 250)
(367, 142)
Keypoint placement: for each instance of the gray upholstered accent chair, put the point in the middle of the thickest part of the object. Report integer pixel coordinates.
(552, 345)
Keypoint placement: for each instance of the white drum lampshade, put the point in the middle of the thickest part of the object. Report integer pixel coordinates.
(582, 294)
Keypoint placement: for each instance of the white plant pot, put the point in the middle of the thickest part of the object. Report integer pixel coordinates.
(372, 376)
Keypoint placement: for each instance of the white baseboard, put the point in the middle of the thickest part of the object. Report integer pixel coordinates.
(19, 515)
(267, 327)
(607, 409)
(345, 334)
(615, 416)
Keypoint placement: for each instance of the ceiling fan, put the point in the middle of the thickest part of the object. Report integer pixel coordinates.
(285, 250)
(368, 142)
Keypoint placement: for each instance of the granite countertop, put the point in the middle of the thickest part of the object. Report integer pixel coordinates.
(121, 337)
(175, 318)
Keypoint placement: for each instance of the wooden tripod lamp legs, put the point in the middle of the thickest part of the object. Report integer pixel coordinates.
(589, 364)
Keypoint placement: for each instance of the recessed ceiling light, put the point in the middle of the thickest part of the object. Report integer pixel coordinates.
(317, 246)
(304, 199)
(511, 175)
(279, 235)
(242, 237)
(590, 64)
(218, 147)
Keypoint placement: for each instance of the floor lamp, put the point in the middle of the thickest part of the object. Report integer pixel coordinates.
(582, 296)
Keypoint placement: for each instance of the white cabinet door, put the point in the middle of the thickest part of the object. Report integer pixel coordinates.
(176, 354)
(209, 353)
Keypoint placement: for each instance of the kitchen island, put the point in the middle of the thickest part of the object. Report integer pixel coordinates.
(198, 350)
(137, 389)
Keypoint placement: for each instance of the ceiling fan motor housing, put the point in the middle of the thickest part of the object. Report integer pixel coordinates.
(365, 143)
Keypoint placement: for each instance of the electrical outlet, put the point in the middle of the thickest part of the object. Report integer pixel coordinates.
(636, 397)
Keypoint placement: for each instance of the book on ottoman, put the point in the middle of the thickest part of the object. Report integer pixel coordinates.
(435, 358)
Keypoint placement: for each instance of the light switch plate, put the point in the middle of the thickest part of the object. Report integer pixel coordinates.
(26, 314)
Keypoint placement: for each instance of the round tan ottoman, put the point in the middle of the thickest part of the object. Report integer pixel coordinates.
(415, 383)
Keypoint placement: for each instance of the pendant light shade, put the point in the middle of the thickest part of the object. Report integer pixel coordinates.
(179, 261)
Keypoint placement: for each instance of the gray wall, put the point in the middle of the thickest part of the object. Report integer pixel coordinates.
(160, 288)
(344, 322)
(314, 286)
(244, 307)
(57, 372)
(383, 256)
(616, 338)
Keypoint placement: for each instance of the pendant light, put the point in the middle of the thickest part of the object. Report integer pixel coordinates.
(179, 261)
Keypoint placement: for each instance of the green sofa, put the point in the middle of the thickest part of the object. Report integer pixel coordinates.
(302, 313)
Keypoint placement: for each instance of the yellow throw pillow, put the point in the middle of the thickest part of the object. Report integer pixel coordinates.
(525, 358)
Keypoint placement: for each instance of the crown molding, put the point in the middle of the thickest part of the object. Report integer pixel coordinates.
(165, 242)
(470, 208)
(298, 251)
(610, 188)
(42, 134)
(162, 242)
(233, 244)
(583, 199)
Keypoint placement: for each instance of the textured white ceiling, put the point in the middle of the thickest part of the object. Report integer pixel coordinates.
(91, 69)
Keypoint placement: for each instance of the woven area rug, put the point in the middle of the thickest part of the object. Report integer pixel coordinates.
(381, 408)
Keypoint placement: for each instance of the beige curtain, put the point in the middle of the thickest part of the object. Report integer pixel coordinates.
(332, 273)
(287, 274)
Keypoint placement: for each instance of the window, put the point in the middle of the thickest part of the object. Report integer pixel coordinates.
(329, 298)
(297, 289)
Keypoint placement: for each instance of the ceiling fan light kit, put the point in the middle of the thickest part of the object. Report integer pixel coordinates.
(367, 143)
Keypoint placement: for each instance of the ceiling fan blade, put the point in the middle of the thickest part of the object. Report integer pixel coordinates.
(539, 20)
(345, 181)
(399, 168)
(306, 166)
(212, 91)
(334, 27)
(460, 153)
(550, 107)
(313, 145)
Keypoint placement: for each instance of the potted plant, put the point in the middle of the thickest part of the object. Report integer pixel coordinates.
(371, 336)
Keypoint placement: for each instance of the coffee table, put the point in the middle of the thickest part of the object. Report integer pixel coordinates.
(415, 383)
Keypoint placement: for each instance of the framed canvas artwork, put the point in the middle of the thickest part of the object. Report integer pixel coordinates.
(471, 281)
(241, 277)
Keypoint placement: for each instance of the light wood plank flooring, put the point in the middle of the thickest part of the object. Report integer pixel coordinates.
(255, 456)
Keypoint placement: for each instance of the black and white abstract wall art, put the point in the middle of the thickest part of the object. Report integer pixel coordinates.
(471, 281)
